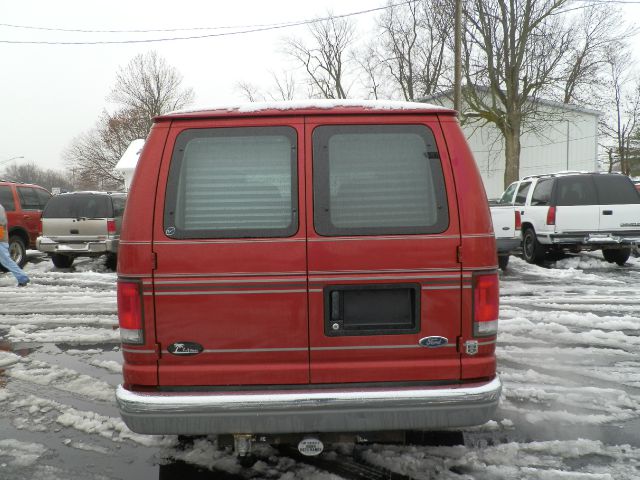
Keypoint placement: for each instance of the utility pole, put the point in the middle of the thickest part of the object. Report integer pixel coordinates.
(457, 74)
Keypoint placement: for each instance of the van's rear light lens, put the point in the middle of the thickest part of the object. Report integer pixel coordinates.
(518, 220)
(111, 227)
(551, 216)
(485, 304)
(130, 312)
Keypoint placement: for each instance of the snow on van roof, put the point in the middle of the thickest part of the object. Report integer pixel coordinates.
(314, 104)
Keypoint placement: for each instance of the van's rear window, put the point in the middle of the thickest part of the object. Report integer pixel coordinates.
(233, 183)
(377, 179)
(78, 205)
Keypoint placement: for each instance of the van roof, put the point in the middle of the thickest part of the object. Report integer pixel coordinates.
(308, 107)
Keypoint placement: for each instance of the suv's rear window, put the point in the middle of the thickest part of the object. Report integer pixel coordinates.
(79, 205)
(615, 190)
(576, 190)
(233, 182)
(377, 179)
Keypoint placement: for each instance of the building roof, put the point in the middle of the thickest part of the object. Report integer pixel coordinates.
(129, 159)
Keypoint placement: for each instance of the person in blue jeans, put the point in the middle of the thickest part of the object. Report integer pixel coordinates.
(5, 259)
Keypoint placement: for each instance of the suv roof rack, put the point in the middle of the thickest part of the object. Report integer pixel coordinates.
(568, 172)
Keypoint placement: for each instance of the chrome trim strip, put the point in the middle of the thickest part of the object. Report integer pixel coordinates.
(229, 274)
(228, 292)
(252, 350)
(489, 342)
(198, 282)
(384, 271)
(375, 347)
(450, 287)
(379, 238)
(130, 350)
(229, 240)
(382, 277)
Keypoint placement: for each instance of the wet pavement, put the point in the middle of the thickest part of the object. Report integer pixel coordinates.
(567, 353)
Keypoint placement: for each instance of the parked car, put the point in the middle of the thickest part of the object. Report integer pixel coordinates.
(307, 268)
(576, 211)
(507, 224)
(23, 203)
(82, 224)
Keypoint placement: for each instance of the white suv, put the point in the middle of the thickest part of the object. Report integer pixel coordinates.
(576, 211)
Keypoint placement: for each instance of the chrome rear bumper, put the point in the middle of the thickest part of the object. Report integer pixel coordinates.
(298, 411)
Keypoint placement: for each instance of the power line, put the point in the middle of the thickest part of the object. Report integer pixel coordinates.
(247, 29)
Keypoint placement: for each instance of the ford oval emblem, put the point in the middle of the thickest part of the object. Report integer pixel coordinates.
(185, 348)
(433, 342)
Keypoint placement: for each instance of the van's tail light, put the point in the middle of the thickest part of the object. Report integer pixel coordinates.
(551, 216)
(518, 220)
(485, 304)
(130, 312)
(111, 227)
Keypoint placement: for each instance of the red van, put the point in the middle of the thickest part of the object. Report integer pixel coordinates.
(307, 267)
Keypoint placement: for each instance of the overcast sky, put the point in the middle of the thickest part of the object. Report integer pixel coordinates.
(50, 94)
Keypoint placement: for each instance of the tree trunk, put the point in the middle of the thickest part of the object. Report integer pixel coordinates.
(512, 153)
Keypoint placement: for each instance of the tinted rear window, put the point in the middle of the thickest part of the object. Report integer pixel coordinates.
(83, 205)
(377, 179)
(542, 192)
(576, 190)
(233, 183)
(615, 190)
(6, 198)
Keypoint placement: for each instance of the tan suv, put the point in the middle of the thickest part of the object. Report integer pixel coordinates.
(82, 224)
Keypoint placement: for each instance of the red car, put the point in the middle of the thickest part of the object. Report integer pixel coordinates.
(23, 203)
(321, 267)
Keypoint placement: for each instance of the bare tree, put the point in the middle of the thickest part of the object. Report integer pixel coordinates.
(146, 87)
(621, 123)
(285, 86)
(150, 86)
(326, 58)
(515, 50)
(598, 27)
(249, 92)
(31, 173)
(414, 46)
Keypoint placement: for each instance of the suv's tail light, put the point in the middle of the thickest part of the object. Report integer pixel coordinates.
(485, 304)
(130, 312)
(518, 220)
(111, 227)
(551, 216)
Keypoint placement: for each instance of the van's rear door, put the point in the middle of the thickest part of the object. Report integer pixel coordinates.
(384, 281)
(229, 235)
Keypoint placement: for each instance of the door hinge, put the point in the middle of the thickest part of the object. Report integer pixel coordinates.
(154, 261)
(158, 350)
(459, 253)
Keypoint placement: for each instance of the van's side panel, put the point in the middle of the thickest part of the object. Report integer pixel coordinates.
(478, 251)
(242, 300)
(427, 262)
(135, 257)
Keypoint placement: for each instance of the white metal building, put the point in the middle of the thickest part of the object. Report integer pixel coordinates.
(567, 141)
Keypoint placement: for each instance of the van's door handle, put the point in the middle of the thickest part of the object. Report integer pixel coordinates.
(607, 212)
(26, 217)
